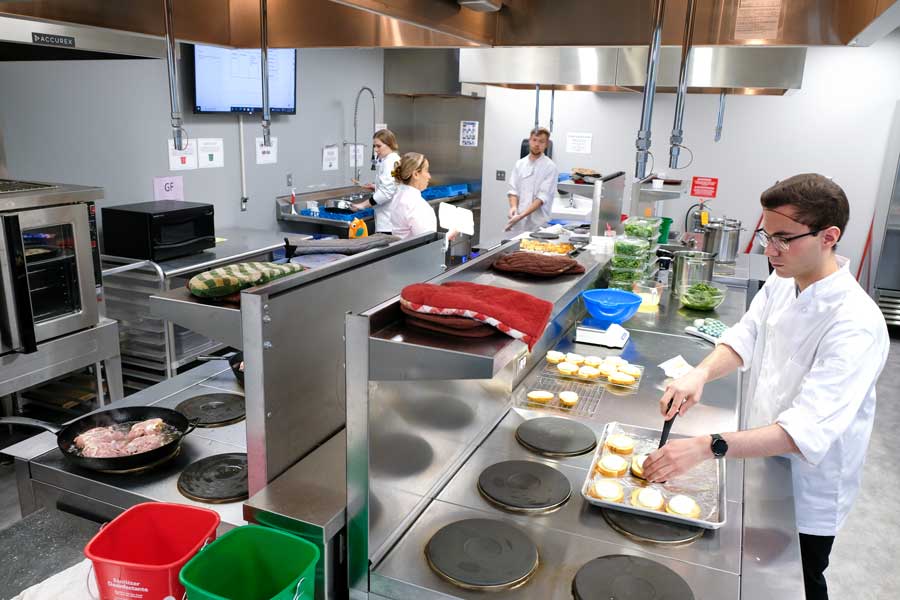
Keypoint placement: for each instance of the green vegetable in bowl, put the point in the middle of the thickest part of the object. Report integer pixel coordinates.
(702, 296)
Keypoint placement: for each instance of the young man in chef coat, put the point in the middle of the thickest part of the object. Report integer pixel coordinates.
(532, 186)
(814, 343)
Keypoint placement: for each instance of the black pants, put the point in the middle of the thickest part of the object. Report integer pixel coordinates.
(814, 551)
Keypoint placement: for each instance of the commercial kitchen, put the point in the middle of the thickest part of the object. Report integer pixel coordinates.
(223, 374)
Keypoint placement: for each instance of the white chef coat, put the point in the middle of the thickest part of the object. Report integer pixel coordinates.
(385, 188)
(410, 214)
(814, 359)
(532, 179)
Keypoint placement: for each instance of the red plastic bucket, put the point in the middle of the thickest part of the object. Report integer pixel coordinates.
(138, 555)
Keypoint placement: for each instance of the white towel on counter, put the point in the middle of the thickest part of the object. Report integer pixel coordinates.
(70, 584)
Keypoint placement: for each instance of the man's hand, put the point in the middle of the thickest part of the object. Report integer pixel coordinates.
(677, 457)
(684, 393)
(512, 212)
(512, 221)
(370, 187)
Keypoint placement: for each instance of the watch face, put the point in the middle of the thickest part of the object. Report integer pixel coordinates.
(719, 447)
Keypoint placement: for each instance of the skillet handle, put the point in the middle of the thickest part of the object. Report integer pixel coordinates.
(51, 427)
(192, 425)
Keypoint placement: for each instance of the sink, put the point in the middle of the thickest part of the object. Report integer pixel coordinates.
(563, 209)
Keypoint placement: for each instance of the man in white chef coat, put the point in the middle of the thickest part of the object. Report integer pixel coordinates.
(814, 343)
(532, 186)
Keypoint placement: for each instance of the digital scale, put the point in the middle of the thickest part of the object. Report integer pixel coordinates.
(599, 333)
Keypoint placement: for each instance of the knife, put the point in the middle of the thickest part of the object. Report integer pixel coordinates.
(667, 426)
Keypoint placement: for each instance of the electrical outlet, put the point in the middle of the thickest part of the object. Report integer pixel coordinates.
(501, 175)
(290, 180)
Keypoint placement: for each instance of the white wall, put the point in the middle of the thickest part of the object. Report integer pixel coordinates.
(837, 124)
(106, 123)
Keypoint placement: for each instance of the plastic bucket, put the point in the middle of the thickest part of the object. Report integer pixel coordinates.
(664, 230)
(253, 563)
(139, 554)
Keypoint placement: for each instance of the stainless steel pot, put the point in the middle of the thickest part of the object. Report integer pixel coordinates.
(722, 237)
(691, 267)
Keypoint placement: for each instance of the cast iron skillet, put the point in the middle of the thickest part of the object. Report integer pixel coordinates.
(234, 361)
(65, 437)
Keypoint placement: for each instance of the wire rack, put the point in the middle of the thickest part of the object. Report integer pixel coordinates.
(589, 395)
(551, 372)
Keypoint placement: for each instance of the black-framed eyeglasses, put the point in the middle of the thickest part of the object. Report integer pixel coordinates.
(781, 243)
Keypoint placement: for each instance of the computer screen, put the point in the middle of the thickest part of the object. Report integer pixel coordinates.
(228, 80)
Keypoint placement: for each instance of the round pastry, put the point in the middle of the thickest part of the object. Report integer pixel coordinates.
(568, 399)
(683, 506)
(588, 373)
(540, 396)
(649, 498)
(612, 465)
(637, 465)
(608, 489)
(593, 361)
(631, 370)
(615, 360)
(575, 359)
(620, 444)
(567, 368)
(607, 369)
(619, 378)
(554, 357)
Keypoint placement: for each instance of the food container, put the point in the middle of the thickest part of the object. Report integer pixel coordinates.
(722, 238)
(690, 267)
(631, 246)
(621, 274)
(646, 228)
(630, 261)
(702, 296)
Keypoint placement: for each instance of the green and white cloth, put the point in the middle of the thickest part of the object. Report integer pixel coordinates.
(231, 279)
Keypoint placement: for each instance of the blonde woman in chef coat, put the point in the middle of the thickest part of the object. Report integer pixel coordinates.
(410, 213)
(385, 186)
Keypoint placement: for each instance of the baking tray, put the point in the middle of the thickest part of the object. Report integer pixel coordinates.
(705, 483)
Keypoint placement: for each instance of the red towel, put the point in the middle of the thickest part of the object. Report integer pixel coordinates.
(518, 315)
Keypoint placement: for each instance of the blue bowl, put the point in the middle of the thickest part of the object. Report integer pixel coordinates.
(610, 306)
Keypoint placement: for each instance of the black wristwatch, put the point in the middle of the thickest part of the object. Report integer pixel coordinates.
(718, 445)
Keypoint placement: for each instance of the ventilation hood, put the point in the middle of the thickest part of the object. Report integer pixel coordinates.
(734, 70)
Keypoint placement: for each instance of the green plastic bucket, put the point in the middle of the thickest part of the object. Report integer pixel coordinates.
(252, 563)
(664, 230)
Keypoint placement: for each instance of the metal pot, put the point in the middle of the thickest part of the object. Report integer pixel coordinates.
(722, 237)
(691, 267)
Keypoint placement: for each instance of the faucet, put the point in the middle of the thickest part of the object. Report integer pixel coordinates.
(355, 124)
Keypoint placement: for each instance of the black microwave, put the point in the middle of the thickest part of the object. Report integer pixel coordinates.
(158, 230)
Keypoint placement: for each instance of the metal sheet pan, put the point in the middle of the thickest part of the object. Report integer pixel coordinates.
(705, 483)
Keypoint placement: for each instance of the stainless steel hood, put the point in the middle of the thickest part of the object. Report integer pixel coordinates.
(744, 70)
(426, 72)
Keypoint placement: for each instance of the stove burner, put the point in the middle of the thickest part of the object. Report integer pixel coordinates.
(555, 436)
(646, 529)
(524, 486)
(216, 479)
(214, 410)
(621, 577)
(482, 554)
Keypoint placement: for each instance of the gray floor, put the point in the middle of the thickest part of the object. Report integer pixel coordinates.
(864, 556)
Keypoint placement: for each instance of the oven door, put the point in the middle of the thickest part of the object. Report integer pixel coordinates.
(46, 267)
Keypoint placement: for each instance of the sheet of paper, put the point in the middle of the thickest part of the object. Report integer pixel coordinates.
(456, 218)
(356, 159)
(468, 134)
(757, 19)
(210, 153)
(266, 155)
(182, 160)
(380, 126)
(168, 188)
(331, 158)
(579, 143)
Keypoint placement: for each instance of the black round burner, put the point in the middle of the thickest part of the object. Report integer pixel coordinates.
(646, 529)
(622, 577)
(482, 554)
(214, 410)
(555, 436)
(524, 486)
(216, 479)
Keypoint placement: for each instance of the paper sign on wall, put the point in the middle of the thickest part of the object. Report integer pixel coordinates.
(380, 126)
(331, 158)
(579, 143)
(182, 160)
(468, 134)
(210, 153)
(704, 187)
(266, 155)
(757, 19)
(356, 159)
(168, 188)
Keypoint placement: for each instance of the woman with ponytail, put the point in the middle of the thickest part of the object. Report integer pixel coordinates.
(410, 213)
(385, 144)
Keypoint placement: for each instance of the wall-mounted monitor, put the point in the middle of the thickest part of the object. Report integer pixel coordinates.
(229, 80)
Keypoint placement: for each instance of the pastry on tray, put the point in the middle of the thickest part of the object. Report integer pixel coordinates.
(631, 370)
(615, 360)
(575, 359)
(649, 498)
(593, 361)
(554, 357)
(588, 373)
(620, 378)
(567, 368)
(612, 465)
(637, 465)
(620, 444)
(568, 398)
(540, 396)
(683, 506)
(607, 489)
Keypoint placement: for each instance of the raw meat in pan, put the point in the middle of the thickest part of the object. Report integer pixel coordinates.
(147, 427)
(145, 443)
(98, 435)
